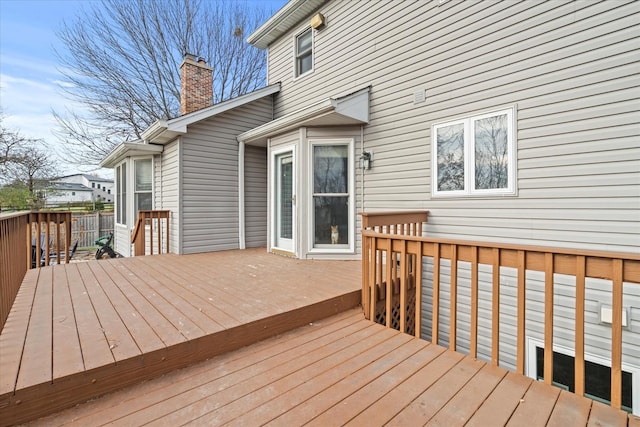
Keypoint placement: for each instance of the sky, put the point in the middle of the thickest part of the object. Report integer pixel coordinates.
(29, 75)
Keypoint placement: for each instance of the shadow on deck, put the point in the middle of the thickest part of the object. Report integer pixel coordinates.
(77, 331)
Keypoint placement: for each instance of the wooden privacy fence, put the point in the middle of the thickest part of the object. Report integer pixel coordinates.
(88, 227)
(29, 240)
(393, 257)
(151, 231)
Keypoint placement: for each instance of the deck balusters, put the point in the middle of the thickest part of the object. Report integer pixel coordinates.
(393, 254)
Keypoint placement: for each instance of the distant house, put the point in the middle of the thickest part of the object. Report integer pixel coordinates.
(102, 188)
(60, 193)
(512, 122)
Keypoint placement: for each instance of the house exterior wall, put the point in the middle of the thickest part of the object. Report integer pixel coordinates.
(209, 177)
(255, 198)
(569, 69)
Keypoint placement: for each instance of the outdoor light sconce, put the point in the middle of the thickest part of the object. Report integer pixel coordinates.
(365, 160)
(317, 21)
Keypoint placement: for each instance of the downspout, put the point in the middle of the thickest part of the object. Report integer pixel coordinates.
(362, 170)
(241, 237)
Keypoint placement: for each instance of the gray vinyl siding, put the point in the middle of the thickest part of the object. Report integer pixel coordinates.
(167, 185)
(210, 177)
(570, 70)
(255, 196)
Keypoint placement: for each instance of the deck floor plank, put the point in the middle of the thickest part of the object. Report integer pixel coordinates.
(35, 367)
(603, 415)
(67, 352)
(536, 406)
(392, 403)
(164, 286)
(329, 388)
(130, 285)
(144, 335)
(121, 343)
(14, 334)
(425, 406)
(207, 287)
(502, 402)
(271, 370)
(93, 341)
(208, 298)
(464, 404)
(169, 311)
(347, 408)
(570, 409)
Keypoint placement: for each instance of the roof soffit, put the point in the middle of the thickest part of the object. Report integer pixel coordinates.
(282, 21)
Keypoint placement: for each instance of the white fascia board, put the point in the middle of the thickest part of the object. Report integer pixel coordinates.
(128, 149)
(162, 132)
(282, 21)
(352, 108)
(288, 122)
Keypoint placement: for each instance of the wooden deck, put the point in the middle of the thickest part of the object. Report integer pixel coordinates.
(81, 330)
(343, 370)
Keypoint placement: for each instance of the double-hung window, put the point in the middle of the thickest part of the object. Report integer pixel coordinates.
(474, 155)
(304, 52)
(331, 197)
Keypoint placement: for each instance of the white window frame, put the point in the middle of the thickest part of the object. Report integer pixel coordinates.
(532, 371)
(134, 176)
(331, 249)
(469, 156)
(296, 55)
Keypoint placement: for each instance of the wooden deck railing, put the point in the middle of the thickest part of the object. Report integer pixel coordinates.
(395, 261)
(21, 249)
(155, 225)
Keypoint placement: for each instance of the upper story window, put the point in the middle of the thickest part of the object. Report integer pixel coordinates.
(474, 155)
(304, 52)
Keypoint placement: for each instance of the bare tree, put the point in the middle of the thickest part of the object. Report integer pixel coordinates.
(25, 165)
(122, 63)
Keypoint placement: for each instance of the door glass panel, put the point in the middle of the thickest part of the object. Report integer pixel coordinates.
(286, 195)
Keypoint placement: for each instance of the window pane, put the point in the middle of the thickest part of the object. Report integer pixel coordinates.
(143, 201)
(331, 220)
(305, 64)
(330, 169)
(304, 42)
(491, 151)
(122, 194)
(450, 146)
(143, 175)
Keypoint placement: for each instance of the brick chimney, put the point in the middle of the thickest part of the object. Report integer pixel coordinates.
(196, 84)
